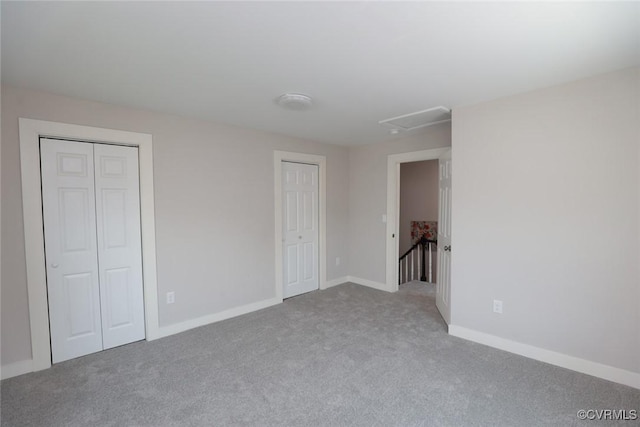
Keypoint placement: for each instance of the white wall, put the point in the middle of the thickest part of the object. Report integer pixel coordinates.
(418, 197)
(368, 198)
(214, 209)
(546, 217)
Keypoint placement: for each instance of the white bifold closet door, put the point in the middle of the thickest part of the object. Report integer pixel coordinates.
(91, 211)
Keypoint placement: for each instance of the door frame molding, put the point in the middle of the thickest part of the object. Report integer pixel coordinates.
(393, 206)
(30, 133)
(321, 162)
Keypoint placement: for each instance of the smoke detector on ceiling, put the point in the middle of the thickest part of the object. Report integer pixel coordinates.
(417, 120)
(294, 101)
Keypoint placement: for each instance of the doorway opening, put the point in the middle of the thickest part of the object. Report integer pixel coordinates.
(418, 221)
(393, 206)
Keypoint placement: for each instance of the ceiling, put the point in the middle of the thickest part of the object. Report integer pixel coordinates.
(362, 62)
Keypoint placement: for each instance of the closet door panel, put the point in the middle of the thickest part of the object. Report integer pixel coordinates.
(68, 202)
(119, 244)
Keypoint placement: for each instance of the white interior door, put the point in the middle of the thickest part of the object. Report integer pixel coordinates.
(119, 244)
(299, 228)
(91, 211)
(68, 202)
(443, 288)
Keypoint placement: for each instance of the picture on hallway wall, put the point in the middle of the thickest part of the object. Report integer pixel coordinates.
(428, 229)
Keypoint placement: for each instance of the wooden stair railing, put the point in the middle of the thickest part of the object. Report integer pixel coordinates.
(421, 249)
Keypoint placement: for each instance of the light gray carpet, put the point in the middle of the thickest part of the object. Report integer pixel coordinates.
(345, 356)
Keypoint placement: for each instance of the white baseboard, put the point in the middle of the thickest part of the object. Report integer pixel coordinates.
(335, 282)
(176, 328)
(369, 283)
(16, 368)
(610, 373)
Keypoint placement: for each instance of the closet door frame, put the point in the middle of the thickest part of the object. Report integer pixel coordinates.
(30, 133)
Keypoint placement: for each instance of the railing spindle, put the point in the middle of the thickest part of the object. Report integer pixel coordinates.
(430, 264)
(412, 262)
(420, 264)
(406, 269)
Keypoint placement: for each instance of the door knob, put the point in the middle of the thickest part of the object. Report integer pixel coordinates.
(447, 248)
(54, 265)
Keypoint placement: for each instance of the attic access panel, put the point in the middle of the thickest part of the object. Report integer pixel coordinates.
(419, 119)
